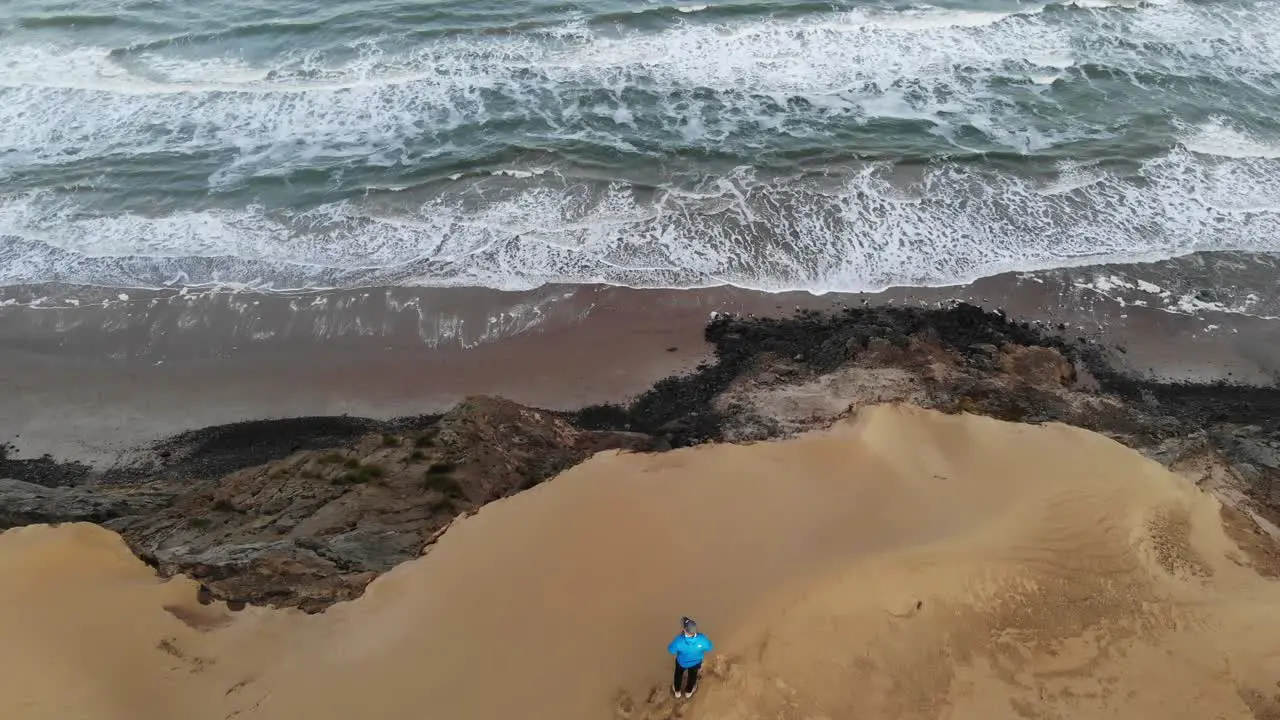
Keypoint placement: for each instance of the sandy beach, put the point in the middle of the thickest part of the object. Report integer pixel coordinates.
(903, 565)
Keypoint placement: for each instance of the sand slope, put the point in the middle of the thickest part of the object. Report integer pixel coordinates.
(907, 565)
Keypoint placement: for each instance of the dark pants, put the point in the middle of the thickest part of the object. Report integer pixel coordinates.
(689, 676)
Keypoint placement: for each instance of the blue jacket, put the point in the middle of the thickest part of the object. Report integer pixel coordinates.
(689, 650)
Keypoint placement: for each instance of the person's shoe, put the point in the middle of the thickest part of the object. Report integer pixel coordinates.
(691, 692)
(677, 693)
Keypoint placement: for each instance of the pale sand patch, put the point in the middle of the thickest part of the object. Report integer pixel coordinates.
(905, 565)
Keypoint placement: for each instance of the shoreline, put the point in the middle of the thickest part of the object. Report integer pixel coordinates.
(305, 512)
(94, 382)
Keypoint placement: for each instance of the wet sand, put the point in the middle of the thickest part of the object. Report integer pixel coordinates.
(90, 380)
(905, 565)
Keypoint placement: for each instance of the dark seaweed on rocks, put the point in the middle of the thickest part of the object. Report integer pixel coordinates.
(1205, 403)
(213, 451)
(222, 449)
(42, 470)
(680, 408)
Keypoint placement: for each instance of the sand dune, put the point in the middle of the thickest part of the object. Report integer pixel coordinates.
(906, 565)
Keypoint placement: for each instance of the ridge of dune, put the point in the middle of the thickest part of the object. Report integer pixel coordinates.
(906, 564)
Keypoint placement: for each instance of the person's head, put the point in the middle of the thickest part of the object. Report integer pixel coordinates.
(690, 627)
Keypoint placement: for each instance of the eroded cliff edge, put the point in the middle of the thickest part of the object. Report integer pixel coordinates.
(305, 512)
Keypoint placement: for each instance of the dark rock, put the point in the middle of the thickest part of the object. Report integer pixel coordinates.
(785, 371)
(1255, 455)
(317, 526)
(879, 346)
(24, 503)
(521, 446)
(1208, 295)
(43, 470)
(1037, 365)
(222, 449)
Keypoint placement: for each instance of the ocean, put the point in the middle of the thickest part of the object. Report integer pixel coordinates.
(766, 144)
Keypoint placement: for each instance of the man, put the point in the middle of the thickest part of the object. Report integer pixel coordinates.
(689, 647)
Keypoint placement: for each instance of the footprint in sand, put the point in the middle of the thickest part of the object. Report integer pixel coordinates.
(658, 705)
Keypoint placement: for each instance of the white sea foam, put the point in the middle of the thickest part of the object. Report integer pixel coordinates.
(1123, 289)
(1072, 176)
(926, 19)
(1219, 137)
(520, 173)
(865, 232)
(385, 106)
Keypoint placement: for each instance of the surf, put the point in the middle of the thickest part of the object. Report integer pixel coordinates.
(727, 145)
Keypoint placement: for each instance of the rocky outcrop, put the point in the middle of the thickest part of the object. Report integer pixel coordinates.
(1256, 460)
(317, 526)
(495, 447)
(778, 376)
(306, 512)
(42, 470)
(24, 503)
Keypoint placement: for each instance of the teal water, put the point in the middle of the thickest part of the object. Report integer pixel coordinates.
(776, 145)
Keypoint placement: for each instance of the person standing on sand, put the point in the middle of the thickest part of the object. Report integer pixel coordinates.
(689, 647)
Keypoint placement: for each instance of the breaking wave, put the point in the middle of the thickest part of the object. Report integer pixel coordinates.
(775, 146)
